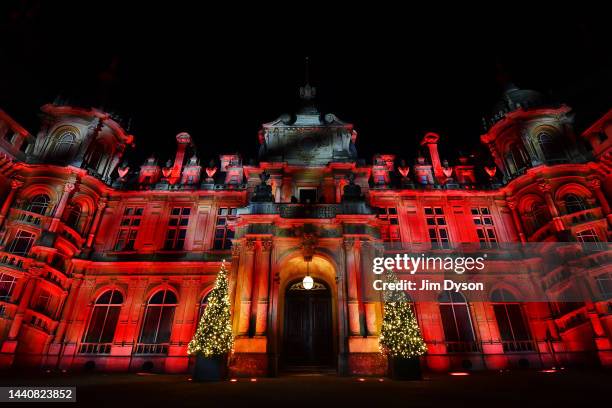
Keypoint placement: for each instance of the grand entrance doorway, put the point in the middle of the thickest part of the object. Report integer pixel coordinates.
(308, 336)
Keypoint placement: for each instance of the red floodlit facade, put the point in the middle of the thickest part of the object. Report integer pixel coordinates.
(107, 267)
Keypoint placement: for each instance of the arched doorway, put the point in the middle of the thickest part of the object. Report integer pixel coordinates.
(308, 326)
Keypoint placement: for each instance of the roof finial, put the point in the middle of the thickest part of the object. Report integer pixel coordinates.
(307, 92)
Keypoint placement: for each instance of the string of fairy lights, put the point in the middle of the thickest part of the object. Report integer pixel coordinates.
(214, 336)
(400, 335)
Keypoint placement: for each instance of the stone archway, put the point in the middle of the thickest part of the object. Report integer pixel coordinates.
(316, 341)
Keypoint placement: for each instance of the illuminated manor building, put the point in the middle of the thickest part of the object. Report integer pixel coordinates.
(106, 266)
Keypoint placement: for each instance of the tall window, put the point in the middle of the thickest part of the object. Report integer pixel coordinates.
(157, 323)
(98, 155)
(604, 284)
(437, 227)
(177, 228)
(42, 303)
(549, 146)
(39, 204)
(511, 322)
(7, 284)
(74, 217)
(128, 229)
(539, 215)
(574, 203)
(104, 318)
(516, 159)
(457, 322)
(590, 240)
(484, 227)
(390, 230)
(64, 145)
(22, 243)
(224, 231)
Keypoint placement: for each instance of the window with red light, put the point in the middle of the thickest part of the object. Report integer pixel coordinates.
(590, 240)
(7, 284)
(457, 323)
(484, 227)
(177, 228)
(437, 228)
(511, 322)
(42, 303)
(128, 228)
(224, 229)
(604, 283)
(157, 323)
(103, 322)
(21, 244)
(389, 231)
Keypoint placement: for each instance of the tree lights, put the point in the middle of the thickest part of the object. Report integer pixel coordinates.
(214, 338)
(400, 337)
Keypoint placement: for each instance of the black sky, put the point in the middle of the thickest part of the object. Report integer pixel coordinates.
(219, 74)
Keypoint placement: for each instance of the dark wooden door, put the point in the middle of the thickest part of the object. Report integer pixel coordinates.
(308, 338)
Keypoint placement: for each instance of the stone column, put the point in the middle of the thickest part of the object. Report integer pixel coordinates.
(245, 277)
(546, 189)
(75, 285)
(15, 185)
(24, 303)
(59, 210)
(96, 222)
(233, 275)
(369, 307)
(595, 186)
(277, 183)
(352, 262)
(263, 275)
(517, 220)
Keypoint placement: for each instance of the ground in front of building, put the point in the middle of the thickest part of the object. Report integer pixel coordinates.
(482, 389)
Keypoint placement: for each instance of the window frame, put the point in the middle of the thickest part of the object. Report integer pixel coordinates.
(437, 233)
(129, 225)
(176, 230)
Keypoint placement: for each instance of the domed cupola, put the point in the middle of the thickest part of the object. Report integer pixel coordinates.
(527, 129)
(514, 99)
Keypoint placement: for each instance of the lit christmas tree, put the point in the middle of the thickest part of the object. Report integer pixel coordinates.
(400, 336)
(214, 337)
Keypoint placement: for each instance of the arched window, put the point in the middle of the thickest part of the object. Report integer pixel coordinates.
(539, 214)
(157, 323)
(516, 159)
(104, 318)
(22, 243)
(63, 145)
(74, 217)
(511, 322)
(549, 146)
(574, 203)
(457, 322)
(98, 156)
(39, 204)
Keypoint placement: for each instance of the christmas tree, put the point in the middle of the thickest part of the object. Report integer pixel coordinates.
(214, 334)
(400, 336)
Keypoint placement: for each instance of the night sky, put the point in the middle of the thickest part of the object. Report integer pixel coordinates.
(218, 75)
